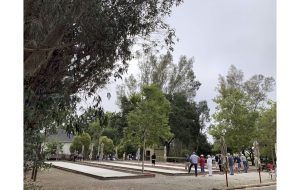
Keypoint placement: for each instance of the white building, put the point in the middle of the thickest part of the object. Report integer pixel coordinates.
(64, 138)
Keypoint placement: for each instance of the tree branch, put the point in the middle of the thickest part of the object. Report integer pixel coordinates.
(48, 48)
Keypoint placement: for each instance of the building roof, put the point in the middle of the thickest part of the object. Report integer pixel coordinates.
(60, 136)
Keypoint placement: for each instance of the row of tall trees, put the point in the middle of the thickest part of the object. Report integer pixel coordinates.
(242, 108)
(186, 118)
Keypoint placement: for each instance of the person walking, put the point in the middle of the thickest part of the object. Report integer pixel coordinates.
(245, 163)
(220, 163)
(202, 164)
(238, 161)
(209, 165)
(187, 162)
(194, 162)
(153, 157)
(230, 163)
(217, 161)
(235, 167)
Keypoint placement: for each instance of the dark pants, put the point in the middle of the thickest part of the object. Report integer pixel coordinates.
(245, 163)
(231, 170)
(202, 169)
(195, 165)
(153, 162)
(220, 167)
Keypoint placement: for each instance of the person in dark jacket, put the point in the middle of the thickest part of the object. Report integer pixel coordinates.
(217, 161)
(153, 158)
(230, 163)
(220, 164)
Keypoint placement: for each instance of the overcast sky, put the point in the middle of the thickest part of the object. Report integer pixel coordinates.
(219, 33)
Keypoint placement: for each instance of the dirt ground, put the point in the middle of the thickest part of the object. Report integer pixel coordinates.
(55, 179)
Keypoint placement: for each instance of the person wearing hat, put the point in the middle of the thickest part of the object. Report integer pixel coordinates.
(194, 162)
(209, 165)
(202, 164)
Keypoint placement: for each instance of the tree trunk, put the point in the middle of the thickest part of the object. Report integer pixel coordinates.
(168, 144)
(144, 139)
(35, 173)
(252, 157)
(272, 155)
(33, 170)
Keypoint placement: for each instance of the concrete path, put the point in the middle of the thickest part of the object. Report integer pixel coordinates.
(139, 168)
(93, 171)
(179, 167)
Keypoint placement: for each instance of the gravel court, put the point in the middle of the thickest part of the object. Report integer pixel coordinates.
(55, 179)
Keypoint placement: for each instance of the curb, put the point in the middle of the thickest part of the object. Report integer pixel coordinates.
(124, 168)
(245, 186)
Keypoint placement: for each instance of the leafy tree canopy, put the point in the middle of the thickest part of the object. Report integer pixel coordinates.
(238, 106)
(108, 145)
(149, 120)
(169, 77)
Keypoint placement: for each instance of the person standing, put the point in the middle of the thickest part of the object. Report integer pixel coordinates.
(230, 163)
(153, 157)
(220, 163)
(238, 161)
(209, 165)
(194, 162)
(245, 163)
(202, 164)
(217, 161)
(187, 162)
(124, 156)
(241, 163)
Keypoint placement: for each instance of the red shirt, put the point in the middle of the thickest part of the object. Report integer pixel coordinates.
(270, 166)
(202, 161)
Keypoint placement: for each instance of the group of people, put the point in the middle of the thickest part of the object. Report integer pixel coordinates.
(194, 160)
(236, 163)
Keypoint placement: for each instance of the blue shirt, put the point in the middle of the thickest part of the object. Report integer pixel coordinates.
(194, 158)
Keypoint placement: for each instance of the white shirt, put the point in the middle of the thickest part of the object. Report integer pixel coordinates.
(209, 161)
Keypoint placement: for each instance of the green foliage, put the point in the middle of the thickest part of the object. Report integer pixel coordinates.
(266, 126)
(73, 48)
(149, 120)
(79, 140)
(188, 122)
(108, 145)
(128, 147)
(53, 147)
(238, 107)
(179, 83)
(169, 77)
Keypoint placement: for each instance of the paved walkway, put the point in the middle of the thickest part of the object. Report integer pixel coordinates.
(139, 168)
(92, 171)
(162, 165)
